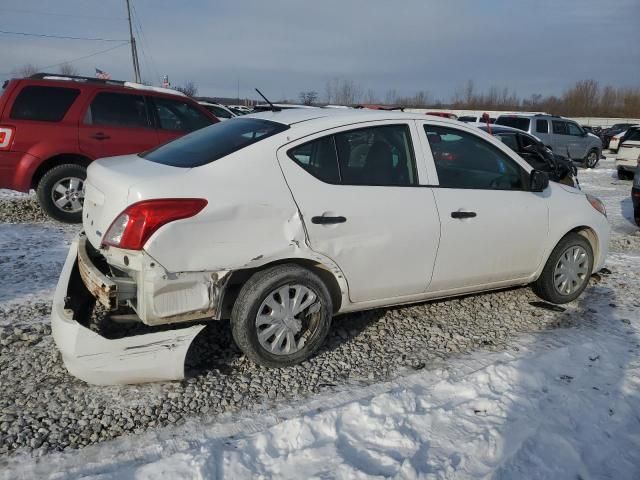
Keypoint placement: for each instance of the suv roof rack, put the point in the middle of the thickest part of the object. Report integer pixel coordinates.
(120, 83)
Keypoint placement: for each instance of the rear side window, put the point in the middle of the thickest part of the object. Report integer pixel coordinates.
(381, 156)
(216, 141)
(559, 128)
(542, 126)
(521, 123)
(217, 111)
(178, 115)
(464, 160)
(46, 104)
(118, 110)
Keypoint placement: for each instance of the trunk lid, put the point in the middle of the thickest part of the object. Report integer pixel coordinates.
(111, 186)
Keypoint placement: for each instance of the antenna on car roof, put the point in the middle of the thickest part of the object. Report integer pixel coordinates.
(273, 107)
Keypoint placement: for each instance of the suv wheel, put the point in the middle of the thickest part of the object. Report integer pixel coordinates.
(281, 316)
(61, 192)
(592, 158)
(567, 271)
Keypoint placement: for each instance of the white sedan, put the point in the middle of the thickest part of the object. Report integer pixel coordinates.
(281, 220)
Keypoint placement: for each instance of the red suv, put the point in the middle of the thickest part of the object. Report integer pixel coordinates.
(52, 127)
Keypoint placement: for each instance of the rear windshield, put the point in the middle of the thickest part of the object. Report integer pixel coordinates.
(521, 123)
(214, 142)
(46, 104)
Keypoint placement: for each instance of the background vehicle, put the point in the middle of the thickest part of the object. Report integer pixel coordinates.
(220, 111)
(609, 133)
(635, 198)
(535, 153)
(628, 157)
(52, 127)
(474, 119)
(561, 135)
(452, 116)
(333, 195)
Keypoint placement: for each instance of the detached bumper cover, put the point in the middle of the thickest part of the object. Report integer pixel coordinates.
(101, 361)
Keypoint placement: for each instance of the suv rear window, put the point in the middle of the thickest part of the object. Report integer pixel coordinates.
(46, 104)
(521, 123)
(216, 141)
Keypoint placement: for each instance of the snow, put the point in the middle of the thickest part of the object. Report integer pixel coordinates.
(563, 403)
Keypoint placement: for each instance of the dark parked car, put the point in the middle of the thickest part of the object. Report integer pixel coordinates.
(535, 153)
(610, 132)
(52, 126)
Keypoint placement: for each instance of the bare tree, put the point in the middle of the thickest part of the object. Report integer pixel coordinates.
(343, 92)
(308, 98)
(189, 89)
(26, 70)
(67, 69)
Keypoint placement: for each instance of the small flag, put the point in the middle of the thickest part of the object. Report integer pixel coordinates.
(102, 75)
(165, 82)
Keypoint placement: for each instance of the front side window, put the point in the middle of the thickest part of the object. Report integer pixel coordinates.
(633, 134)
(464, 160)
(381, 156)
(45, 104)
(574, 130)
(212, 143)
(559, 127)
(542, 126)
(118, 110)
(509, 139)
(180, 116)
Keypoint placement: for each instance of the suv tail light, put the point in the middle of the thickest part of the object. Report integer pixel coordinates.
(6, 135)
(135, 225)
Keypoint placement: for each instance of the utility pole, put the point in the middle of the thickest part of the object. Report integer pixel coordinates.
(134, 51)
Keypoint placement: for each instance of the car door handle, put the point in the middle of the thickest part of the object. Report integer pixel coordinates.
(100, 136)
(461, 214)
(325, 220)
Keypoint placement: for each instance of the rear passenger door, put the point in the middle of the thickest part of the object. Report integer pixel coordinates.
(358, 190)
(116, 124)
(560, 141)
(493, 229)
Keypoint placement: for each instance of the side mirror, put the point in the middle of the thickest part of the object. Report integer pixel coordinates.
(538, 181)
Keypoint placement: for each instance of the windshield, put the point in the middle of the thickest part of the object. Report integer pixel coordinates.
(209, 144)
(521, 123)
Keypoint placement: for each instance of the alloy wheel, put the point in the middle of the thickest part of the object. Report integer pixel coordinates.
(68, 194)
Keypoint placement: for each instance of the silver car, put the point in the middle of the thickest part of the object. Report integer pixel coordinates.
(563, 136)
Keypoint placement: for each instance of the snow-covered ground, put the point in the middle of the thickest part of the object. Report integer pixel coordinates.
(562, 403)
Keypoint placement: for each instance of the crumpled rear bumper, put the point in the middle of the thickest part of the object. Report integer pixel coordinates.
(101, 361)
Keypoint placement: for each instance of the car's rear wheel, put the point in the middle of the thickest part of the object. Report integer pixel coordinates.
(61, 192)
(567, 271)
(281, 316)
(592, 158)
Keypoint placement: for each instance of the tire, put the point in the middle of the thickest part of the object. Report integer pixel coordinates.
(592, 158)
(624, 175)
(545, 287)
(51, 187)
(314, 320)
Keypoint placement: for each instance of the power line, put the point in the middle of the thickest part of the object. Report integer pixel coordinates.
(34, 12)
(144, 41)
(75, 59)
(25, 34)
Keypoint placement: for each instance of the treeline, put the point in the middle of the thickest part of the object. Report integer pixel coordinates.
(585, 98)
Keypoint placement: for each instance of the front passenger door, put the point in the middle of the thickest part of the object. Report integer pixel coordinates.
(493, 229)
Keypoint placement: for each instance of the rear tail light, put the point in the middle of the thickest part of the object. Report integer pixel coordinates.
(135, 225)
(6, 136)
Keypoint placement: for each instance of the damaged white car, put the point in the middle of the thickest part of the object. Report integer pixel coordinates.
(281, 220)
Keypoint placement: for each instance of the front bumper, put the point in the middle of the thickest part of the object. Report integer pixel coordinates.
(101, 361)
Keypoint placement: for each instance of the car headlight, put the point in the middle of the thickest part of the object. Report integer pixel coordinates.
(597, 204)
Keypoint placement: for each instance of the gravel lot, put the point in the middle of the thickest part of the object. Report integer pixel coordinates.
(43, 408)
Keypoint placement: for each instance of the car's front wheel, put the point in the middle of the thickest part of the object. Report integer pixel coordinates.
(567, 271)
(281, 316)
(592, 158)
(61, 192)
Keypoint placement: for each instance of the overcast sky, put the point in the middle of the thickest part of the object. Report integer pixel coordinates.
(286, 46)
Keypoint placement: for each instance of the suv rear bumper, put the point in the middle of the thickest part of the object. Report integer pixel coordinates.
(102, 361)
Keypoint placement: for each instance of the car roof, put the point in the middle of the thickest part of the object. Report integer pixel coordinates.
(337, 117)
(502, 129)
